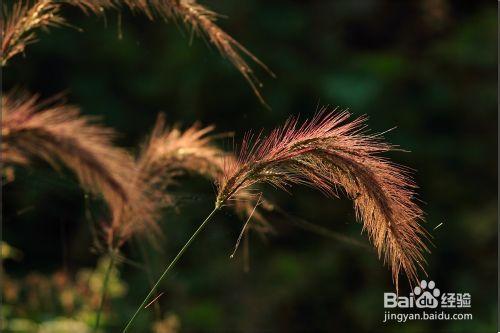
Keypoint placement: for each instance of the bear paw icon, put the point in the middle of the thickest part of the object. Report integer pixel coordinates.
(427, 295)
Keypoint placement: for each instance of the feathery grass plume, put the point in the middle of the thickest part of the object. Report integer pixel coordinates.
(19, 24)
(329, 152)
(169, 153)
(58, 133)
(23, 20)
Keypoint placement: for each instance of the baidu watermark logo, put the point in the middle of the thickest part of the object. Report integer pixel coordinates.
(427, 296)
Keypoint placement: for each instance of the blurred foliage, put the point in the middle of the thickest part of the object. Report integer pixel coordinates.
(9, 252)
(427, 67)
(60, 303)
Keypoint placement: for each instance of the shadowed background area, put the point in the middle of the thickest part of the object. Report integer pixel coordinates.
(426, 68)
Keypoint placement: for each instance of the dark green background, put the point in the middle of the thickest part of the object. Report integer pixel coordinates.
(426, 67)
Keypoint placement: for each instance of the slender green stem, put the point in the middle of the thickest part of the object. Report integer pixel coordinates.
(172, 263)
(104, 289)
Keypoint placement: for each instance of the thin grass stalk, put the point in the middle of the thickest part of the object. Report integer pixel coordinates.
(105, 289)
(170, 266)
